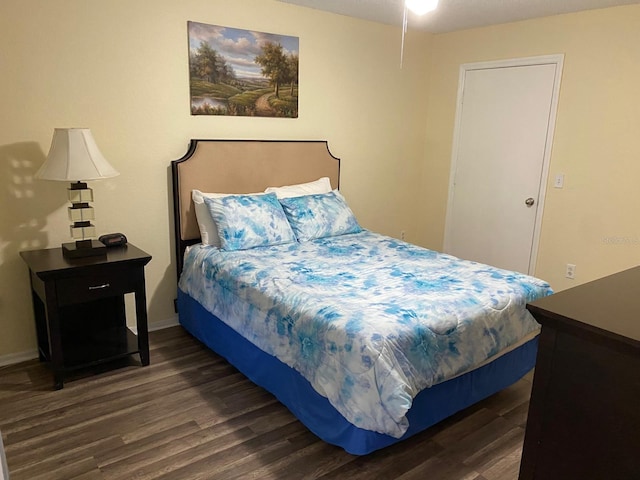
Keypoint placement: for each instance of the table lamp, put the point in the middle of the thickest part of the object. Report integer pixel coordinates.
(74, 157)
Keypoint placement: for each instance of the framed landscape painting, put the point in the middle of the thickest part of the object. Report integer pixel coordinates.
(242, 72)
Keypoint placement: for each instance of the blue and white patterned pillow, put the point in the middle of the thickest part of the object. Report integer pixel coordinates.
(248, 221)
(320, 215)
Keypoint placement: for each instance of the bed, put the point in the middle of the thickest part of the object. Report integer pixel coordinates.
(366, 339)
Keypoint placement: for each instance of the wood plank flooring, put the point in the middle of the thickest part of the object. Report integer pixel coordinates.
(190, 415)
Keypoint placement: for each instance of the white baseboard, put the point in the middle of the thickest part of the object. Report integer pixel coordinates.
(13, 358)
(162, 324)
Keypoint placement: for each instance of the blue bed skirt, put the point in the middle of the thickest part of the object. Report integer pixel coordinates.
(429, 407)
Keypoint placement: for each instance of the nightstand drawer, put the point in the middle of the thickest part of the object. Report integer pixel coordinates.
(84, 288)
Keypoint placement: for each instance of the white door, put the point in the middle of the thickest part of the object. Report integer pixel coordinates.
(502, 145)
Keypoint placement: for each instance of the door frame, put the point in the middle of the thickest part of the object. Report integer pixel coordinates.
(558, 61)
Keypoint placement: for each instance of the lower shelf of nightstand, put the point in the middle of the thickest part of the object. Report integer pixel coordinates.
(87, 349)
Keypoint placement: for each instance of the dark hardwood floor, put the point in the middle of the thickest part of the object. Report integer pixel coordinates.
(189, 415)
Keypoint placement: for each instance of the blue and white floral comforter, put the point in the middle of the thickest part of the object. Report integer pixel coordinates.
(367, 319)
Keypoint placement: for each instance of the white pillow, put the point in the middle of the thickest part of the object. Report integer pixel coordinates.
(322, 185)
(206, 225)
(208, 230)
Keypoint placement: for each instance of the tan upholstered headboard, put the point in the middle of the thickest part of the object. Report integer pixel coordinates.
(242, 166)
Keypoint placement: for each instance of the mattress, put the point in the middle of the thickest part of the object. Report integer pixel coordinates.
(429, 407)
(368, 320)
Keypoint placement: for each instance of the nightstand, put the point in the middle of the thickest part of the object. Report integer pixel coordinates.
(79, 307)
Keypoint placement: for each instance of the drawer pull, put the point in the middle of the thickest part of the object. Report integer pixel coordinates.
(100, 287)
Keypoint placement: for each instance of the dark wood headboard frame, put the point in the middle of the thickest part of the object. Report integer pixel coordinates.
(242, 166)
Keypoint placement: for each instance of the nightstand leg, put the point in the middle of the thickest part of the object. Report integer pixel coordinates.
(40, 316)
(141, 320)
(55, 337)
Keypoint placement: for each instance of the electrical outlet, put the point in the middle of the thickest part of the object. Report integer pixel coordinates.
(570, 272)
(559, 181)
(402, 234)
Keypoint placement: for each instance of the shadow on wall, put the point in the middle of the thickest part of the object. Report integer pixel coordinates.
(26, 204)
(23, 216)
(22, 223)
(162, 299)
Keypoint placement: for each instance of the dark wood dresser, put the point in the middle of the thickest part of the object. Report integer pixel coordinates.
(584, 415)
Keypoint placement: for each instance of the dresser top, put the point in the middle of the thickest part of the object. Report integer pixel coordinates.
(610, 304)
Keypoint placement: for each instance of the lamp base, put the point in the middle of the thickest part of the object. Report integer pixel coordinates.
(84, 248)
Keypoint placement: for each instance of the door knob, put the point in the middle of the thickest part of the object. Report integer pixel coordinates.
(529, 202)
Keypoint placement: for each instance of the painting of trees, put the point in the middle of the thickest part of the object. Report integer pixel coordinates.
(292, 63)
(277, 66)
(207, 64)
(241, 72)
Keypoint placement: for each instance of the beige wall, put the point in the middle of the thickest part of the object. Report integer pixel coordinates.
(120, 68)
(594, 221)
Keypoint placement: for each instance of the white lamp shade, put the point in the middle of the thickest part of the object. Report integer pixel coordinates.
(74, 156)
(420, 7)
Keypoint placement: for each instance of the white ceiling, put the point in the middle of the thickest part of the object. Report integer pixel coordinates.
(454, 15)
